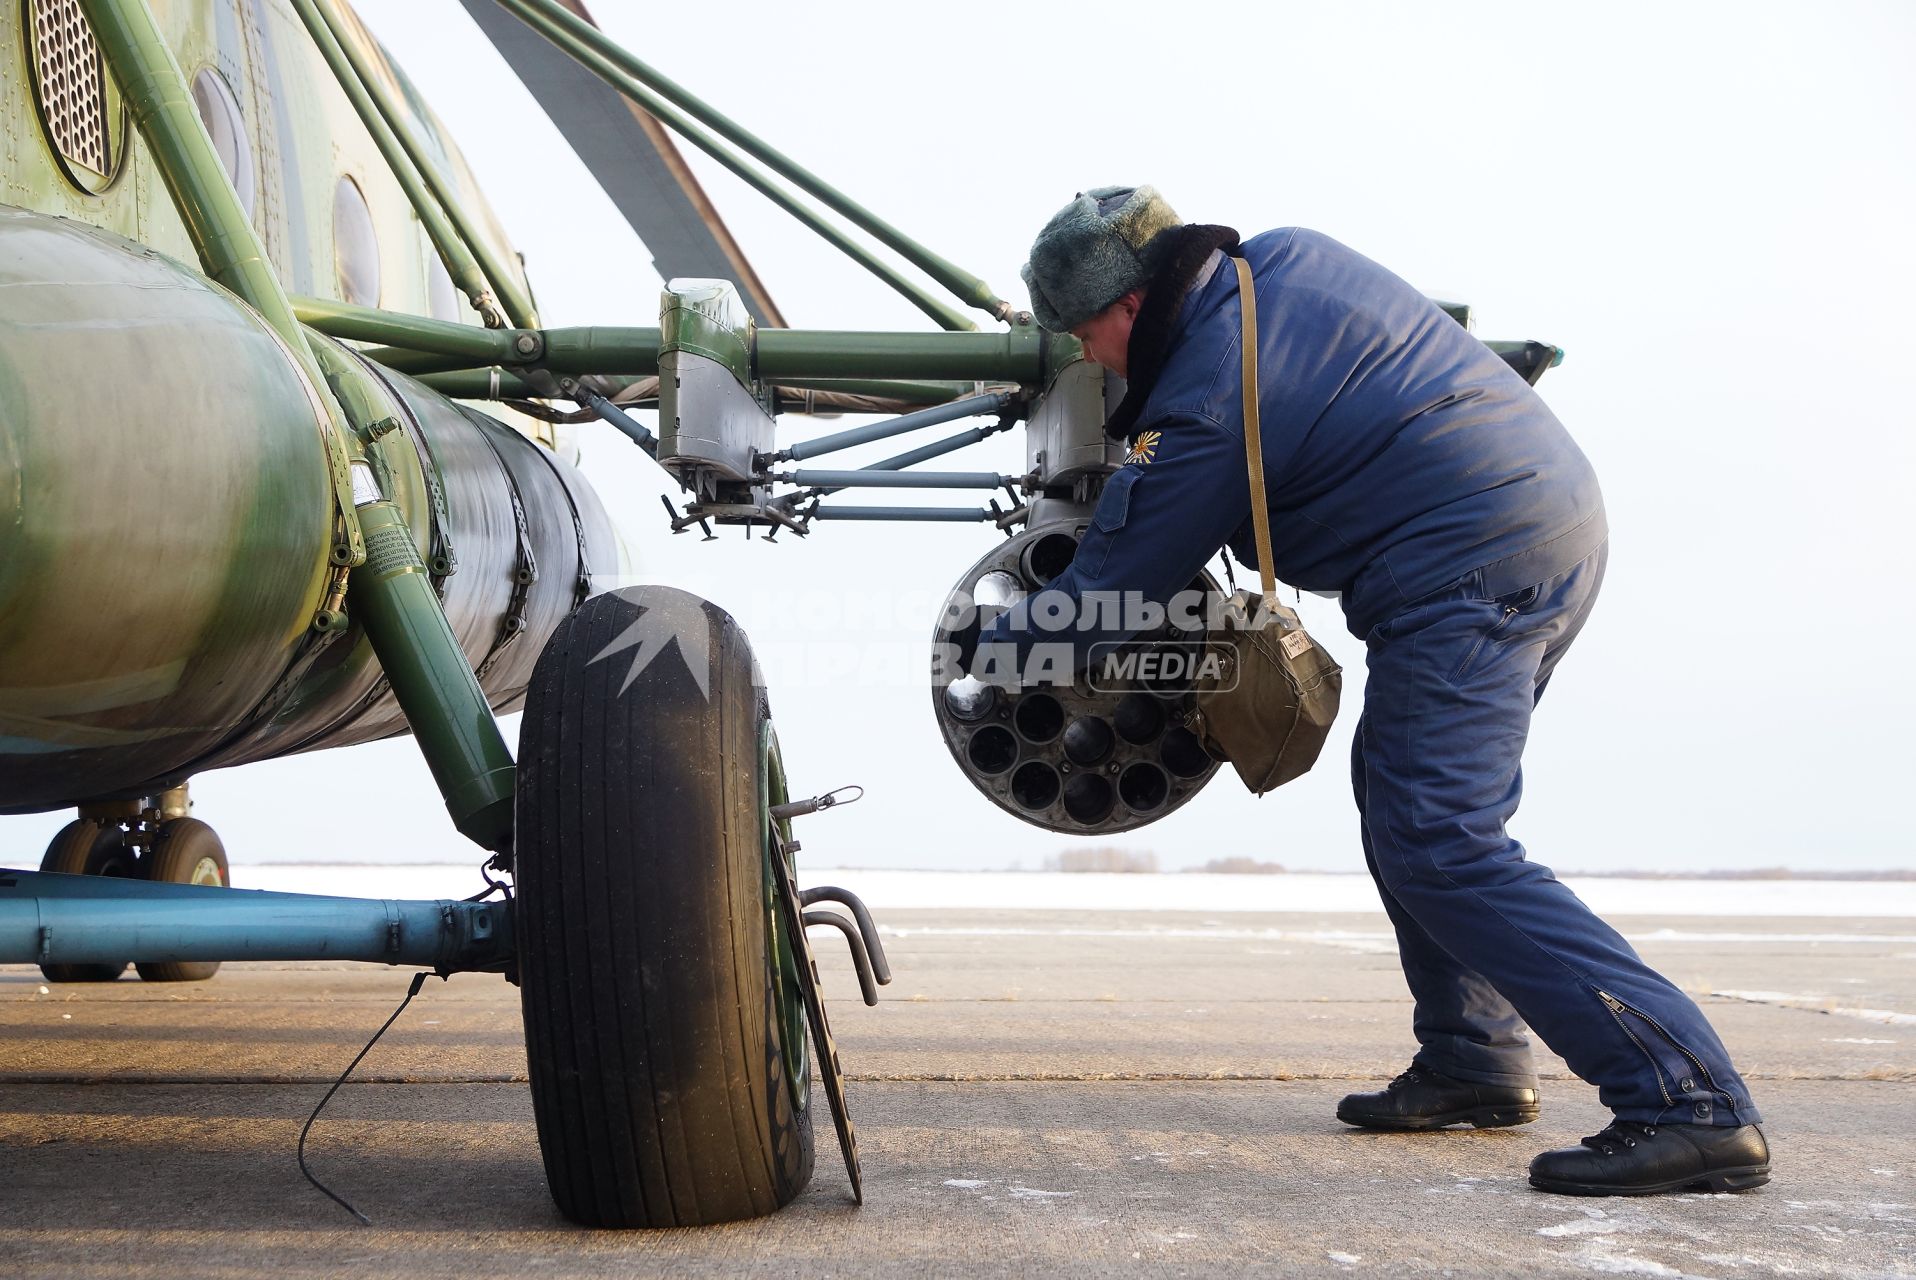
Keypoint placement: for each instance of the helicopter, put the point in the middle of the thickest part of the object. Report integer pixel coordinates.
(363, 519)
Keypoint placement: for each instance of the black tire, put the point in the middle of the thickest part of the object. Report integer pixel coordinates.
(649, 965)
(84, 847)
(185, 851)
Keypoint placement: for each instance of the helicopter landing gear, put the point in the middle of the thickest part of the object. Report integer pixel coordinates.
(88, 847)
(147, 839)
(665, 1032)
(185, 851)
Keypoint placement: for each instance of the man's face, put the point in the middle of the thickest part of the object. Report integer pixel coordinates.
(1106, 337)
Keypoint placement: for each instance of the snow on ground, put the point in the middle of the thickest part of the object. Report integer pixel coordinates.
(1054, 891)
(1819, 1004)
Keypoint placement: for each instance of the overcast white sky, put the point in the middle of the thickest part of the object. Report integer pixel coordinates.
(1709, 206)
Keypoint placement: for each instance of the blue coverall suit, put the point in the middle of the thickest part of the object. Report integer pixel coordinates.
(1411, 471)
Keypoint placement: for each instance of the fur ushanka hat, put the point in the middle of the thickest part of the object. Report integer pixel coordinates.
(1095, 250)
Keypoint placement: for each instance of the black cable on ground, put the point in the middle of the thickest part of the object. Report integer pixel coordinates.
(418, 981)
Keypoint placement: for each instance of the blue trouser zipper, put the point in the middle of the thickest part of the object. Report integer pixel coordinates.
(1489, 940)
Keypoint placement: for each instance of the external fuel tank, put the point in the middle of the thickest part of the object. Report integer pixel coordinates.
(166, 521)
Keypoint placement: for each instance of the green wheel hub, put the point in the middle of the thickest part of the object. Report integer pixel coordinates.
(790, 994)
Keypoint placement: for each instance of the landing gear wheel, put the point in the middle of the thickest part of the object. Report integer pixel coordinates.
(84, 847)
(185, 851)
(662, 1034)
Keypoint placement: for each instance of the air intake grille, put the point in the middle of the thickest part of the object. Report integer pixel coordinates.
(72, 84)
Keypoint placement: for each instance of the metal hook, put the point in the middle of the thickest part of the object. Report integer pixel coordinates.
(861, 961)
(799, 808)
(881, 968)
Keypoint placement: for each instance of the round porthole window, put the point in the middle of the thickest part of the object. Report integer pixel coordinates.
(80, 109)
(220, 113)
(355, 245)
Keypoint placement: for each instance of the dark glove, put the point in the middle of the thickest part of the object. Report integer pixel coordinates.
(965, 638)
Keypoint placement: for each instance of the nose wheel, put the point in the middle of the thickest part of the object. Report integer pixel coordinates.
(139, 841)
(185, 851)
(87, 847)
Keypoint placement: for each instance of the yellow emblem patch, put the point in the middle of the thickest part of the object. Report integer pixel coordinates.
(1146, 447)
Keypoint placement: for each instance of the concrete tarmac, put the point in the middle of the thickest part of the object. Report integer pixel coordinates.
(1038, 1093)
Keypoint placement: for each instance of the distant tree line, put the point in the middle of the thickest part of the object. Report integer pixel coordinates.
(1239, 867)
(1104, 858)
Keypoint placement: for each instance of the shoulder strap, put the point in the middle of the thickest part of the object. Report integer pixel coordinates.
(1253, 436)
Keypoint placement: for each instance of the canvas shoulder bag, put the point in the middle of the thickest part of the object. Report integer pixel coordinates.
(1267, 703)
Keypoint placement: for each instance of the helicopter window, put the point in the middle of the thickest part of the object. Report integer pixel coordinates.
(355, 245)
(441, 297)
(220, 113)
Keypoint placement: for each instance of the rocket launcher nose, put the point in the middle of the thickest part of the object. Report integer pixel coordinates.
(1099, 754)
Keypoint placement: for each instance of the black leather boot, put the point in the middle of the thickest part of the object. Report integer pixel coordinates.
(1424, 1099)
(1632, 1159)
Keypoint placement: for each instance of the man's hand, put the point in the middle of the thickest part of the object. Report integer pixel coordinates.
(965, 639)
